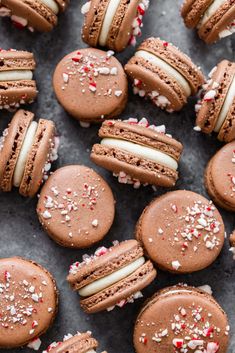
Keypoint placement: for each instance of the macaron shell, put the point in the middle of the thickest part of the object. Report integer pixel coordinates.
(20, 270)
(84, 188)
(16, 60)
(159, 314)
(193, 10)
(14, 93)
(91, 106)
(80, 343)
(209, 112)
(146, 171)
(63, 4)
(37, 158)
(159, 241)
(117, 257)
(209, 32)
(121, 290)
(9, 155)
(227, 131)
(218, 177)
(39, 16)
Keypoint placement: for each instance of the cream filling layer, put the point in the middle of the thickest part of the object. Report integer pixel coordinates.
(226, 106)
(211, 11)
(111, 279)
(108, 19)
(16, 75)
(142, 151)
(155, 60)
(21, 162)
(52, 5)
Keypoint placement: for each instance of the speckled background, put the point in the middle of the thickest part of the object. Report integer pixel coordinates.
(20, 232)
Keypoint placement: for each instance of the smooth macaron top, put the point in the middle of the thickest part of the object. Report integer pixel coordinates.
(78, 343)
(91, 85)
(220, 177)
(215, 110)
(181, 231)
(181, 319)
(76, 206)
(113, 24)
(28, 301)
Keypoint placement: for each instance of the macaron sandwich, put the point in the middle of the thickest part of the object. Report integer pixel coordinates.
(161, 72)
(78, 343)
(111, 277)
(220, 177)
(41, 15)
(138, 153)
(214, 19)
(16, 78)
(216, 107)
(113, 24)
(27, 149)
(181, 319)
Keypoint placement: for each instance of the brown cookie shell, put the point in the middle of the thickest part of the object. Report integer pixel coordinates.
(79, 343)
(193, 10)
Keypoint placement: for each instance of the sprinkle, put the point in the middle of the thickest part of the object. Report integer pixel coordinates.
(176, 265)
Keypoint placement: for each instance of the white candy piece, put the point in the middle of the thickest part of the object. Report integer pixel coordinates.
(52, 5)
(111, 279)
(108, 19)
(21, 162)
(170, 70)
(16, 75)
(142, 151)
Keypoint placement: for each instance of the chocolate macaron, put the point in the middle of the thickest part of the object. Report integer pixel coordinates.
(78, 343)
(40, 15)
(138, 153)
(111, 277)
(76, 207)
(113, 24)
(216, 109)
(220, 177)
(181, 319)
(181, 231)
(16, 78)
(161, 72)
(91, 85)
(28, 301)
(214, 19)
(27, 149)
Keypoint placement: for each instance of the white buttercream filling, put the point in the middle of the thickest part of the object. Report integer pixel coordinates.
(16, 75)
(21, 162)
(52, 5)
(111, 279)
(216, 4)
(226, 106)
(142, 151)
(170, 70)
(108, 19)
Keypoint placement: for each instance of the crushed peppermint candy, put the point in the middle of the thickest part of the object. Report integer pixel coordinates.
(129, 300)
(137, 23)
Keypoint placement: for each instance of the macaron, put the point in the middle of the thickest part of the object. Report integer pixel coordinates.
(181, 231)
(162, 73)
(16, 78)
(76, 207)
(41, 15)
(111, 277)
(181, 319)
(113, 24)
(27, 149)
(214, 19)
(220, 177)
(78, 343)
(232, 243)
(216, 108)
(138, 153)
(28, 301)
(91, 85)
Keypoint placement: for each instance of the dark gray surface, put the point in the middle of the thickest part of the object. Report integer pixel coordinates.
(20, 232)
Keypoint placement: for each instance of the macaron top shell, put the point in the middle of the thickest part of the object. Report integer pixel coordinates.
(90, 84)
(28, 301)
(181, 231)
(76, 206)
(181, 319)
(16, 60)
(193, 10)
